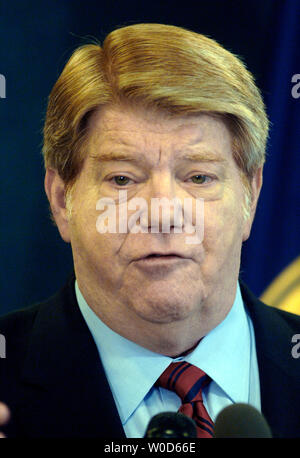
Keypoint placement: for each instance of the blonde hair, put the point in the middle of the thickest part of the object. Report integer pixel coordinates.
(158, 66)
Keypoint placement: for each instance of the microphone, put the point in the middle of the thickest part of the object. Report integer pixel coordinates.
(171, 425)
(241, 421)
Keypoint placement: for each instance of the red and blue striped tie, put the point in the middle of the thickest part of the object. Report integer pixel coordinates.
(187, 381)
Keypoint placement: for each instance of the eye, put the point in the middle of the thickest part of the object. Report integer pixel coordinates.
(200, 179)
(121, 180)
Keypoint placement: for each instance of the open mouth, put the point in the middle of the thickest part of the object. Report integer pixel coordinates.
(156, 255)
(154, 262)
(161, 257)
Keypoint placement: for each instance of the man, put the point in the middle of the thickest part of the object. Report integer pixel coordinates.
(157, 112)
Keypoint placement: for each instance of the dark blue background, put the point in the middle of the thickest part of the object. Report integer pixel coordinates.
(36, 39)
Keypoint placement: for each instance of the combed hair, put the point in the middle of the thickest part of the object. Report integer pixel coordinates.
(160, 67)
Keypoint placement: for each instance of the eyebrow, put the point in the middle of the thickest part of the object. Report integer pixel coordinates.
(114, 156)
(203, 156)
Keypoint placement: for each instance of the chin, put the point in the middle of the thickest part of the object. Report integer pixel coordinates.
(167, 309)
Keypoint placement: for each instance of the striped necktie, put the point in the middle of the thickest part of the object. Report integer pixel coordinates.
(187, 381)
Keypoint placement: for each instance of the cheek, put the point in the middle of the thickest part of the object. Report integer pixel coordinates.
(88, 244)
(223, 225)
(96, 258)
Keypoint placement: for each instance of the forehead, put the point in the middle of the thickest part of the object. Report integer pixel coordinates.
(141, 130)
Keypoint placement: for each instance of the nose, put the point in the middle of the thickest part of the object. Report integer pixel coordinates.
(164, 204)
(162, 184)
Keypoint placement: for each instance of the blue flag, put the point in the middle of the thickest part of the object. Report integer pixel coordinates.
(271, 258)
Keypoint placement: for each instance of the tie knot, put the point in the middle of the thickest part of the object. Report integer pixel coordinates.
(186, 380)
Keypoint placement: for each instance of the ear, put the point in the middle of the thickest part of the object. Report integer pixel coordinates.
(256, 185)
(56, 192)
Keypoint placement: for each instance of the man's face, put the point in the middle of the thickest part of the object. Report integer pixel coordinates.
(124, 276)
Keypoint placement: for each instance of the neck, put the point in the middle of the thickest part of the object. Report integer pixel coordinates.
(173, 338)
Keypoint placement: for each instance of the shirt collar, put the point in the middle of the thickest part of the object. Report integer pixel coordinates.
(132, 370)
(224, 353)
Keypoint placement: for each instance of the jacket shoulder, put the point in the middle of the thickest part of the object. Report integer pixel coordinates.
(17, 326)
(274, 333)
(291, 319)
(22, 320)
(271, 314)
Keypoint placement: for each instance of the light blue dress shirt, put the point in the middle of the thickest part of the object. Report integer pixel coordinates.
(227, 354)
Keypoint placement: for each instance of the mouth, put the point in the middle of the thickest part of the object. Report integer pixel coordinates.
(154, 262)
(161, 256)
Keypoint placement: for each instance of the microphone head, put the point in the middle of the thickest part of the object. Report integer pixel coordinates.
(171, 424)
(241, 420)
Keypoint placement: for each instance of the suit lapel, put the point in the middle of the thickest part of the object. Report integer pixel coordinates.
(64, 385)
(279, 372)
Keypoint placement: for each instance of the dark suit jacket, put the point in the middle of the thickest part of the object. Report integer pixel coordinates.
(53, 381)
